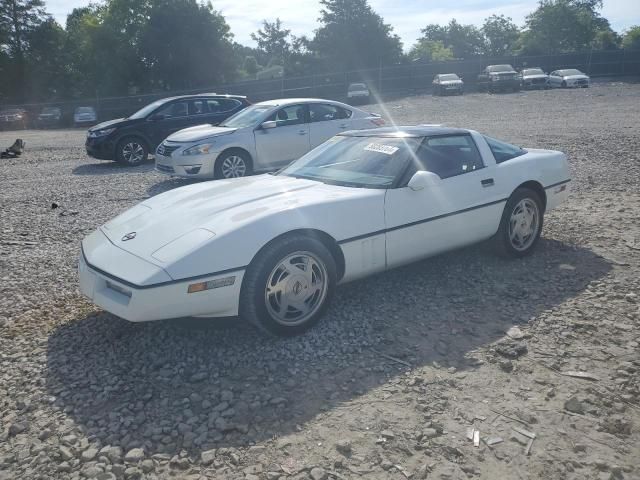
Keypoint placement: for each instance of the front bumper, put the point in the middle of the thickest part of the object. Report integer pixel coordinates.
(504, 84)
(196, 166)
(101, 148)
(142, 303)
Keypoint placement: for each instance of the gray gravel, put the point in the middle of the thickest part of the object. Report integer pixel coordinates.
(389, 382)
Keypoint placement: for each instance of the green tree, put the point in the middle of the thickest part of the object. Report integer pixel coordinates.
(631, 38)
(18, 20)
(251, 65)
(352, 36)
(464, 40)
(47, 62)
(501, 35)
(273, 39)
(430, 51)
(563, 26)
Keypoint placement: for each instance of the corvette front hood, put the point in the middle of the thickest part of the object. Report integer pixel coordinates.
(197, 209)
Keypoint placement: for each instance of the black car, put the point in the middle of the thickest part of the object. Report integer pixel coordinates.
(129, 140)
(499, 78)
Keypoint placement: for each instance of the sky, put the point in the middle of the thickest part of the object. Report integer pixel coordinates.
(406, 16)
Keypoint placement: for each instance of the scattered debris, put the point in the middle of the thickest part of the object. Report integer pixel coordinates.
(493, 440)
(524, 432)
(527, 450)
(393, 359)
(515, 333)
(576, 374)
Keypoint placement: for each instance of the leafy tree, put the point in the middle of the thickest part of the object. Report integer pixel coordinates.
(273, 39)
(631, 38)
(185, 45)
(18, 20)
(352, 36)
(563, 26)
(430, 51)
(464, 40)
(501, 35)
(47, 62)
(250, 65)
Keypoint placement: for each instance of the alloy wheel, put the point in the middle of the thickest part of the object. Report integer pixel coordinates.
(524, 224)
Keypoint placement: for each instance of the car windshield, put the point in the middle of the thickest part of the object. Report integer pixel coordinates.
(144, 112)
(247, 117)
(357, 86)
(570, 71)
(500, 68)
(449, 76)
(11, 111)
(50, 110)
(362, 162)
(533, 71)
(84, 110)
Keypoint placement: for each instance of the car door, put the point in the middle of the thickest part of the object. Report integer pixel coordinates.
(288, 141)
(554, 79)
(169, 119)
(327, 120)
(483, 78)
(463, 207)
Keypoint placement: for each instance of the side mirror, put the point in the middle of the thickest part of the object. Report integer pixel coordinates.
(268, 125)
(422, 180)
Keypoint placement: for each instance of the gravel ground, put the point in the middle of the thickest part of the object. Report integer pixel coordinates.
(389, 383)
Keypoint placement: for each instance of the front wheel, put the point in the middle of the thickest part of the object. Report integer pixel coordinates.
(288, 287)
(232, 164)
(521, 224)
(131, 151)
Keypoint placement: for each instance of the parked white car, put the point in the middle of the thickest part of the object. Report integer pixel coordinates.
(358, 92)
(272, 248)
(569, 78)
(85, 116)
(265, 136)
(534, 78)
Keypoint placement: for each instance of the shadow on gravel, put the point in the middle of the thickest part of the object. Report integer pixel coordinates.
(111, 168)
(198, 384)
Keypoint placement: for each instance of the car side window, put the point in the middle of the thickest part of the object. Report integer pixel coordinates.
(174, 110)
(450, 155)
(320, 112)
(198, 107)
(503, 151)
(222, 105)
(290, 115)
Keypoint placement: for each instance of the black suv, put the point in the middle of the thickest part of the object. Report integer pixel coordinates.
(129, 140)
(499, 78)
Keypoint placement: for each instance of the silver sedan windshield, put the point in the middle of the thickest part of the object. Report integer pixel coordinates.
(247, 117)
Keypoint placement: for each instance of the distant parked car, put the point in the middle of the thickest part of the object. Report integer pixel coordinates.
(129, 140)
(13, 118)
(49, 117)
(496, 78)
(445, 83)
(84, 116)
(569, 78)
(534, 78)
(266, 136)
(358, 92)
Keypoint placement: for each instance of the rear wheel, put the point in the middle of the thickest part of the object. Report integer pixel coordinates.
(132, 151)
(563, 84)
(521, 224)
(289, 286)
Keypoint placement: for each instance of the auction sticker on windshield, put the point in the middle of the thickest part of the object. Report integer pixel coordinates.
(378, 147)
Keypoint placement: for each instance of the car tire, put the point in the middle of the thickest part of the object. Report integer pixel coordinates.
(280, 266)
(521, 224)
(563, 84)
(232, 163)
(132, 151)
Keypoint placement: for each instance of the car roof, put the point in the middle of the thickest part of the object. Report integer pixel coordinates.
(200, 95)
(290, 101)
(408, 131)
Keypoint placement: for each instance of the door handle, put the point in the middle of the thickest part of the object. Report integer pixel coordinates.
(487, 182)
(302, 132)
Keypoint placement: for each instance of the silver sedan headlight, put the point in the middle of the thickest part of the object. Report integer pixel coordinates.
(201, 149)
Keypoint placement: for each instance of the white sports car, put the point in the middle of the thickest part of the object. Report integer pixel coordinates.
(272, 248)
(265, 136)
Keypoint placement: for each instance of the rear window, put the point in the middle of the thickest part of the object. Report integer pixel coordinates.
(503, 151)
(499, 68)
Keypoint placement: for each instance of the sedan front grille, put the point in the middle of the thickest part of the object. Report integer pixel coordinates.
(167, 150)
(164, 168)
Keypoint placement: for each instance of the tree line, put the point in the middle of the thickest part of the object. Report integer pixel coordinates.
(122, 47)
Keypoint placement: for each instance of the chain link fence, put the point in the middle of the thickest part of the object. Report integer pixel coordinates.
(414, 77)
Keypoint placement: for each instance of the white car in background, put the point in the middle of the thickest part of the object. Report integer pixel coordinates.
(569, 78)
(85, 116)
(265, 136)
(272, 248)
(358, 92)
